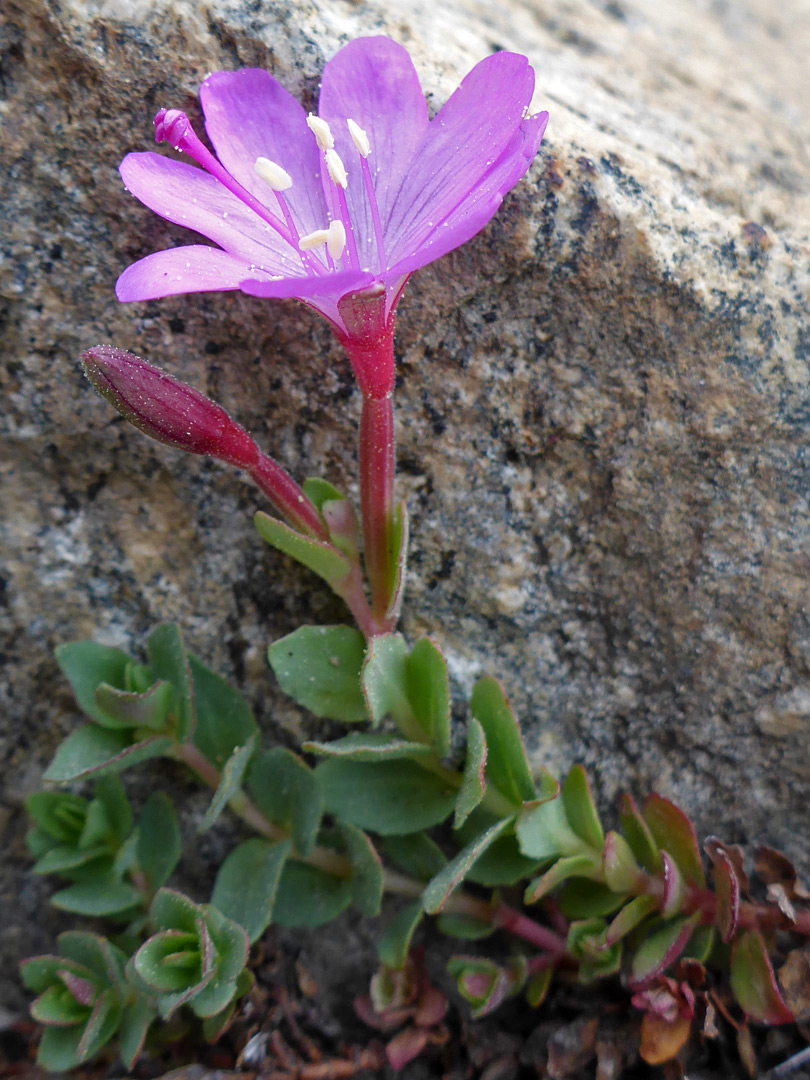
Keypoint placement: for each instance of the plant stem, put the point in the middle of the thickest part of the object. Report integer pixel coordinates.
(288, 498)
(500, 916)
(376, 467)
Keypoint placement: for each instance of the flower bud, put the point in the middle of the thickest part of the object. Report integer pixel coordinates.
(165, 408)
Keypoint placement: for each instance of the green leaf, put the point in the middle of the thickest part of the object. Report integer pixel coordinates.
(538, 986)
(86, 665)
(367, 878)
(110, 791)
(168, 660)
(319, 667)
(621, 871)
(580, 809)
(637, 834)
(582, 864)
(308, 896)
(323, 559)
(388, 797)
(224, 719)
(673, 832)
(385, 679)
(101, 1026)
(288, 793)
(171, 962)
(473, 785)
(64, 858)
(369, 746)
(662, 947)
(212, 999)
(102, 896)
(58, 1006)
(171, 910)
(400, 537)
(429, 692)
(584, 898)
(230, 782)
(58, 1050)
(91, 749)
(631, 916)
(247, 882)
(135, 1022)
(753, 982)
(440, 887)
(544, 832)
(507, 765)
(319, 491)
(395, 943)
(415, 853)
(59, 813)
(465, 927)
(94, 952)
(124, 709)
(158, 846)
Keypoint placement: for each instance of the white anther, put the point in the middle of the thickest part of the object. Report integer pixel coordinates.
(278, 179)
(336, 238)
(313, 240)
(336, 168)
(322, 132)
(359, 138)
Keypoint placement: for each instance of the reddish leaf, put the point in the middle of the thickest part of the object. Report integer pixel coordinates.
(637, 833)
(406, 1045)
(674, 889)
(673, 832)
(726, 890)
(662, 1039)
(753, 981)
(660, 949)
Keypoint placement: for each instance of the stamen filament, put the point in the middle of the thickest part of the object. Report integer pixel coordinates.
(375, 213)
(280, 180)
(351, 245)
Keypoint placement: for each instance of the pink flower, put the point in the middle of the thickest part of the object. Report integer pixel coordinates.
(349, 202)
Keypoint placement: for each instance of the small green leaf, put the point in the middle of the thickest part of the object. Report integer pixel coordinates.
(369, 746)
(485, 984)
(388, 797)
(662, 947)
(171, 910)
(86, 665)
(637, 833)
(753, 982)
(58, 1050)
(170, 962)
(224, 719)
(429, 692)
(538, 986)
(168, 660)
(631, 916)
(90, 749)
(584, 898)
(582, 864)
(440, 887)
(673, 832)
(288, 793)
(94, 952)
(465, 927)
(59, 813)
(580, 809)
(323, 559)
(308, 896)
(395, 944)
(110, 791)
(247, 882)
(415, 853)
(544, 832)
(473, 785)
(101, 1026)
(319, 491)
(507, 765)
(400, 537)
(58, 1006)
(700, 944)
(213, 999)
(319, 667)
(385, 680)
(124, 709)
(230, 782)
(367, 878)
(102, 896)
(135, 1022)
(621, 871)
(158, 846)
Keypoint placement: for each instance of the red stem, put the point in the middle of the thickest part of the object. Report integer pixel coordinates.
(287, 497)
(376, 473)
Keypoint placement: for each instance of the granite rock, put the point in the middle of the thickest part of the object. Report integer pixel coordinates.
(604, 403)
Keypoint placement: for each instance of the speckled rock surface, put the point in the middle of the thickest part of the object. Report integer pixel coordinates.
(617, 368)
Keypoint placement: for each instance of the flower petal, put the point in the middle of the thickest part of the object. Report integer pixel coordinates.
(463, 140)
(372, 81)
(181, 270)
(480, 205)
(302, 288)
(186, 195)
(248, 114)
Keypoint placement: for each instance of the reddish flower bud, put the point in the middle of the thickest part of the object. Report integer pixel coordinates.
(165, 408)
